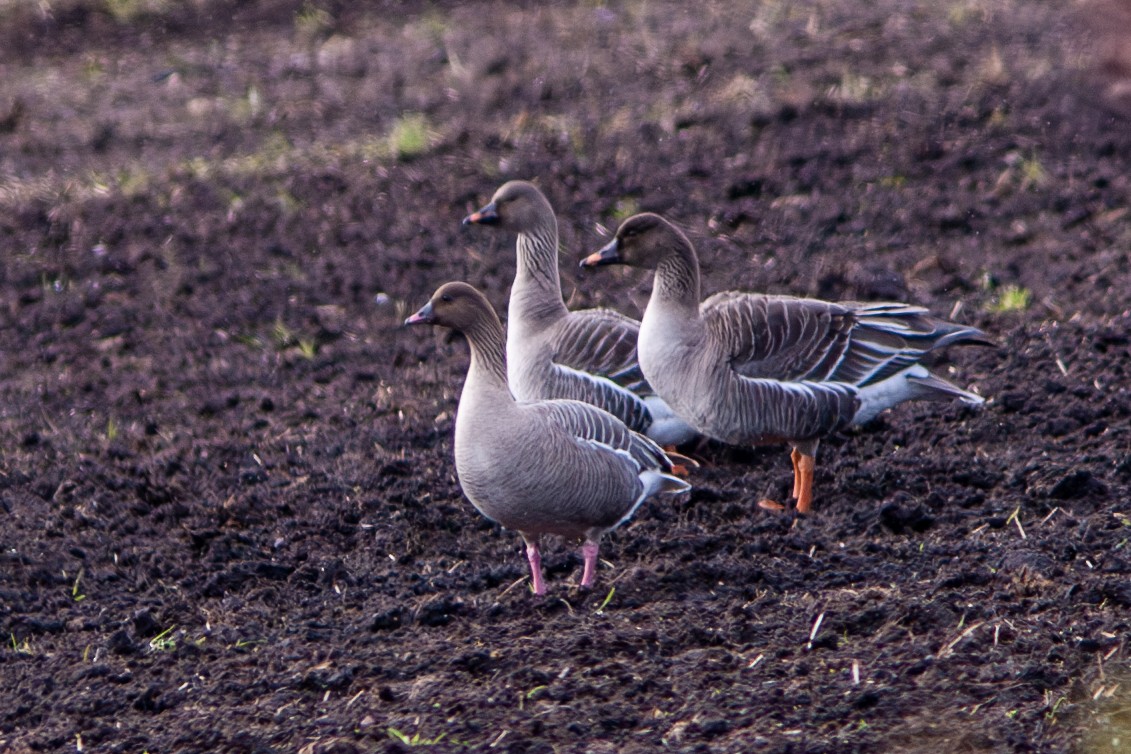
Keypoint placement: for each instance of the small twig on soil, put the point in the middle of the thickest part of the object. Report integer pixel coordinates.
(1052, 513)
(755, 661)
(500, 738)
(813, 631)
(997, 631)
(855, 673)
(1059, 362)
(950, 647)
(512, 586)
(1015, 517)
(979, 705)
(619, 576)
(354, 698)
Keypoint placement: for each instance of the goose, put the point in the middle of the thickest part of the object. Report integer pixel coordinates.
(745, 368)
(558, 467)
(552, 352)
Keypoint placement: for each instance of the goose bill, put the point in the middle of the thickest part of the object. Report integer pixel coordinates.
(608, 254)
(422, 317)
(488, 215)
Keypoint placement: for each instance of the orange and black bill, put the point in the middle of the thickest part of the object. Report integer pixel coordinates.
(607, 254)
(487, 215)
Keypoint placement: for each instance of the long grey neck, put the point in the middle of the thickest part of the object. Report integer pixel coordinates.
(488, 368)
(677, 276)
(537, 290)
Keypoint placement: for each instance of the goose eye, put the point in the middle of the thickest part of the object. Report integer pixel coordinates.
(446, 298)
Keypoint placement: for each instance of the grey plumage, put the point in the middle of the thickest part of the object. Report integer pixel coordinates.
(552, 352)
(540, 467)
(748, 368)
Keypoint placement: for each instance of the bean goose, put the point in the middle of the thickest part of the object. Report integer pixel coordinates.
(553, 352)
(542, 467)
(748, 368)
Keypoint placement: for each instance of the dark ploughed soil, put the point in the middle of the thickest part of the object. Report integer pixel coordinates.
(229, 519)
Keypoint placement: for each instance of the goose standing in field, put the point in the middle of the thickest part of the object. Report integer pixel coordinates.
(748, 368)
(542, 467)
(553, 352)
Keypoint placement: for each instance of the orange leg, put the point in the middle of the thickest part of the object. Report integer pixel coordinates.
(803, 482)
(795, 456)
(681, 464)
(773, 505)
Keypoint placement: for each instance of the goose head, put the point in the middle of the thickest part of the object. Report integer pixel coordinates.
(455, 305)
(517, 206)
(643, 240)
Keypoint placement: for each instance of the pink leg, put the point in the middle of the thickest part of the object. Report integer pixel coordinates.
(535, 558)
(589, 555)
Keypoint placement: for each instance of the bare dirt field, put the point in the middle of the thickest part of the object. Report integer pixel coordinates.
(229, 519)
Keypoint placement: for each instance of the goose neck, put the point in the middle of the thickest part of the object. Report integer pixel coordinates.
(536, 284)
(677, 278)
(488, 357)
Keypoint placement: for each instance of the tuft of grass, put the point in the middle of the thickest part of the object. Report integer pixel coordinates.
(852, 89)
(21, 647)
(1022, 172)
(111, 430)
(409, 137)
(253, 342)
(282, 336)
(625, 208)
(308, 348)
(416, 739)
(1033, 173)
(312, 22)
(966, 11)
(1013, 298)
(128, 11)
(607, 600)
(76, 591)
(164, 641)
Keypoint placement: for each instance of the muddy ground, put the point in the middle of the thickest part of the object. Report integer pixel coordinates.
(228, 514)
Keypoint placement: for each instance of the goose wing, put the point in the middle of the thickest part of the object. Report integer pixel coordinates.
(592, 425)
(772, 409)
(787, 338)
(779, 337)
(563, 382)
(890, 337)
(598, 341)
